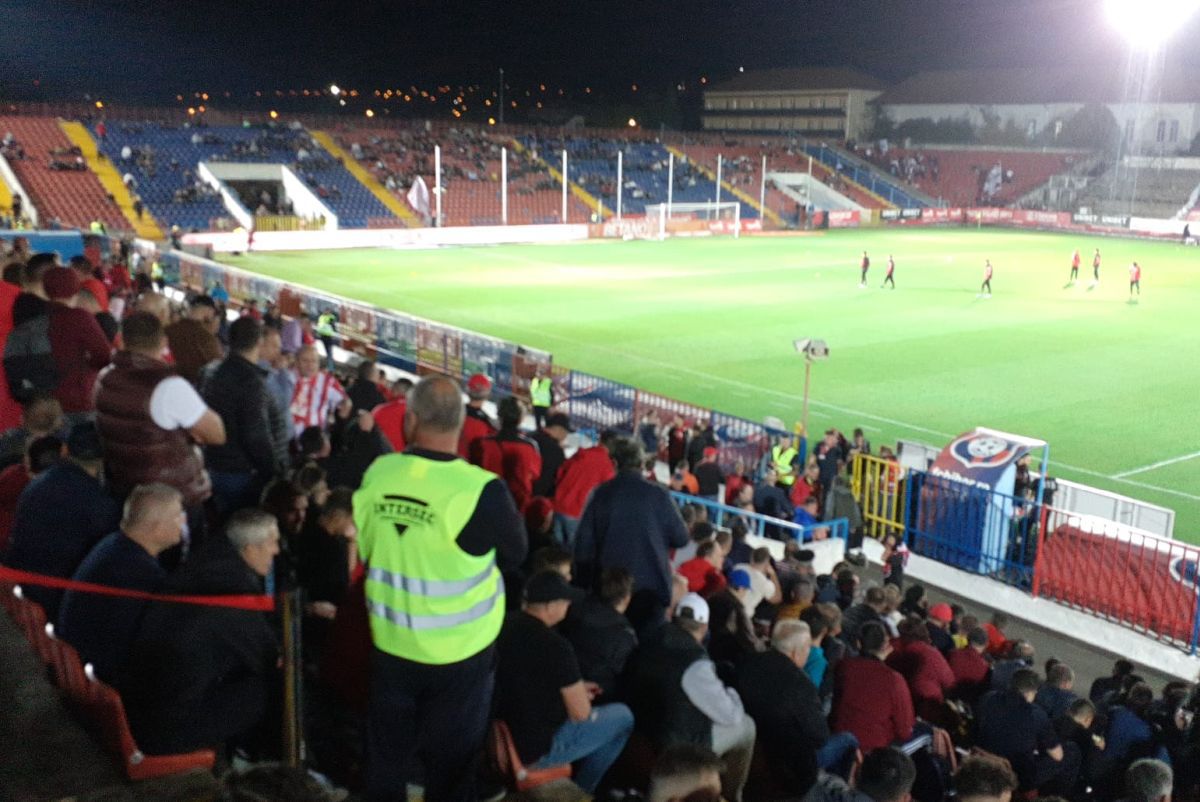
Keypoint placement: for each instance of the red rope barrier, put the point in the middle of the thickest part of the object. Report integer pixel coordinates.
(256, 603)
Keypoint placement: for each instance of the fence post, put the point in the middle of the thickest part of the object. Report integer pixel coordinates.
(293, 675)
(1043, 519)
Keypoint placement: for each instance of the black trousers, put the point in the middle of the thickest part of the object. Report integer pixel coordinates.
(438, 714)
(539, 416)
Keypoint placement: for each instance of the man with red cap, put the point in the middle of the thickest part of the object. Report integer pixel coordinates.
(477, 424)
(77, 343)
(938, 624)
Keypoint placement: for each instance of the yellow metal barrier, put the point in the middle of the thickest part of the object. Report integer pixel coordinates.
(878, 486)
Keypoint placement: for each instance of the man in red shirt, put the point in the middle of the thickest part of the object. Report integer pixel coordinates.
(923, 668)
(866, 265)
(985, 289)
(970, 668)
(1074, 268)
(476, 424)
(77, 343)
(509, 454)
(1135, 280)
(89, 282)
(870, 699)
(577, 477)
(703, 572)
(389, 416)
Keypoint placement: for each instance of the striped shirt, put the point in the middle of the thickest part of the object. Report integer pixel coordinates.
(313, 399)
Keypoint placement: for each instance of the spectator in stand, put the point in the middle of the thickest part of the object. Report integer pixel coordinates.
(193, 339)
(364, 393)
(784, 704)
(677, 439)
(354, 445)
(1056, 695)
(1020, 656)
(764, 582)
(798, 595)
(817, 665)
(938, 624)
(77, 344)
(702, 438)
(600, 633)
(477, 424)
(708, 475)
(1149, 780)
(549, 440)
(1011, 726)
(686, 773)
(235, 390)
(731, 637)
(703, 572)
(1103, 686)
(389, 416)
(869, 610)
(41, 416)
(317, 393)
(983, 778)
(542, 696)
(772, 500)
(870, 699)
(631, 523)
(102, 628)
(923, 667)
(436, 680)
(886, 775)
(683, 480)
(841, 503)
(916, 602)
(998, 642)
(678, 698)
(1129, 734)
(151, 419)
(42, 453)
(1081, 747)
(323, 555)
(829, 454)
(61, 515)
(842, 590)
(281, 384)
(88, 281)
(200, 676)
(808, 485)
(509, 454)
(971, 668)
(735, 481)
(739, 550)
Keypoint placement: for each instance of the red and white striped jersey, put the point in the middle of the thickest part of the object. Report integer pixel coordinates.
(313, 399)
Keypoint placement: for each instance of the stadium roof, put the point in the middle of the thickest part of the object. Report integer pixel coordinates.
(1033, 85)
(801, 79)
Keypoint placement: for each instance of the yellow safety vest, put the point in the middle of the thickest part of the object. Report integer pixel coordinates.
(539, 391)
(427, 599)
(325, 325)
(782, 458)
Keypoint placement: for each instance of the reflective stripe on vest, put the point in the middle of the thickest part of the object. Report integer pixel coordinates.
(325, 326)
(782, 457)
(428, 600)
(539, 391)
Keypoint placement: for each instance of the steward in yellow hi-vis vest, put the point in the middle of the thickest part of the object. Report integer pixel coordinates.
(541, 396)
(434, 533)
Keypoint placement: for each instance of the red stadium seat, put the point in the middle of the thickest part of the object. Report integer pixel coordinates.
(503, 753)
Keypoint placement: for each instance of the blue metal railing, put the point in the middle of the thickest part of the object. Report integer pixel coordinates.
(865, 176)
(722, 515)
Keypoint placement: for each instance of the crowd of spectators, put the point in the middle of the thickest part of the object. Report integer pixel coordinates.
(202, 451)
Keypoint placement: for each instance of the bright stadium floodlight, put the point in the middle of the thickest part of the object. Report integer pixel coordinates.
(1147, 24)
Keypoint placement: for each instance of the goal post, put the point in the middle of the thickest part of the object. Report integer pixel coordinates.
(692, 219)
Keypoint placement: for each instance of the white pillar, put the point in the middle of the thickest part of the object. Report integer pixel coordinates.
(565, 182)
(717, 199)
(504, 186)
(762, 191)
(620, 186)
(437, 182)
(670, 182)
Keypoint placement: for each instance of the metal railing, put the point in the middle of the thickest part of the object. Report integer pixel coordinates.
(764, 525)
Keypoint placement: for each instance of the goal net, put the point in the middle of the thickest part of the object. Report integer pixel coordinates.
(694, 219)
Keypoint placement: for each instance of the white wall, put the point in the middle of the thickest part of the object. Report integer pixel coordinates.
(389, 237)
(232, 203)
(795, 185)
(14, 186)
(305, 202)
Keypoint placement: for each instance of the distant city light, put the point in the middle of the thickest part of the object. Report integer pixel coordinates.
(342, 102)
(1149, 23)
(99, 104)
(369, 113)
(632, 123)
(274, 114)
(491, 120)
(191, 111)
(741, 69)
(335, 90)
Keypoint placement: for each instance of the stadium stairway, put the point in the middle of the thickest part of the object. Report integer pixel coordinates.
(767, 214)
(394, 204)
(6, 197)
(577, 191)
(860, 173)
(75, 198)
(146, 227)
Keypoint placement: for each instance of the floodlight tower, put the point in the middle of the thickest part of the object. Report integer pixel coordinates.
(813, 350)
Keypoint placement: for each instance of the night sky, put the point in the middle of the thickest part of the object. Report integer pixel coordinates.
(151, 51)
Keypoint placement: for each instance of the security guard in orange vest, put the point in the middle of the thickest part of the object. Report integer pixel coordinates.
(434, 533)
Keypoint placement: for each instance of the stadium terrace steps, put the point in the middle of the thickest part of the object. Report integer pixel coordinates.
(74, 197)
(961, 173)
(694, 155)
(145, 227)
(576, 189)
(394, 204)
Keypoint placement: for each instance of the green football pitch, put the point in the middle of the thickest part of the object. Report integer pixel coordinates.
(1113, 386)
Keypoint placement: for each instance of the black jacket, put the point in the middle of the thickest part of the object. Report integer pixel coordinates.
(187, 660)
(784, 704)
(661, 708)
(603, 641)
(234, 389)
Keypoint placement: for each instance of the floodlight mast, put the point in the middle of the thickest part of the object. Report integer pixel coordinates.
(812, 349)
(1148, 24)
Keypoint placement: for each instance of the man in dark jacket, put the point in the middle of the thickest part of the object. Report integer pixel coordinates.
(631, 523)
(856, 616)
(772, 500)
(510, 454)
(784, 704)
(549, 441)
(599, 631)
(235, 390)
(61, 515)
(203, 676)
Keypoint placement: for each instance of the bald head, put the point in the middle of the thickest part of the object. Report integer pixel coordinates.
(434, 416)
(155, 304)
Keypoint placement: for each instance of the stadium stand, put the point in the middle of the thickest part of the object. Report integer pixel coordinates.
(56, 178)
(163, 160)
(1147, 192)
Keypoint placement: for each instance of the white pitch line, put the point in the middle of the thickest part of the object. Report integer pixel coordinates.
(1159, 464)
(768, 391)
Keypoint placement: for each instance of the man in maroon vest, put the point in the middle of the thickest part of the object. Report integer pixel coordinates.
(151, 419)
